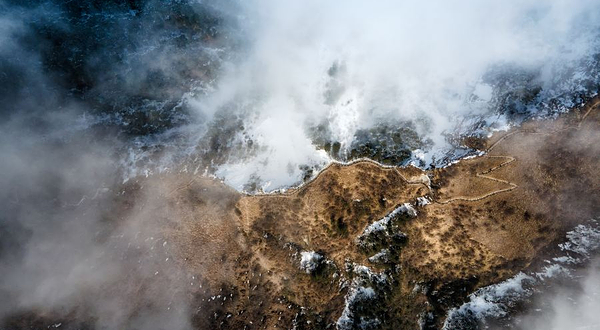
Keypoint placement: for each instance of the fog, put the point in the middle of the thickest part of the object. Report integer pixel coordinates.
(77, 249)
(573, 306)
(95, 93)
(347, 66)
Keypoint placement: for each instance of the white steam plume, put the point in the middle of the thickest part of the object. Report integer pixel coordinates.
(352, 65)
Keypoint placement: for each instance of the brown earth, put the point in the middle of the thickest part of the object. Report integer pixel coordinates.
(489, 218)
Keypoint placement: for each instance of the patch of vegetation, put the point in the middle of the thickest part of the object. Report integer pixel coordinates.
(390, 144)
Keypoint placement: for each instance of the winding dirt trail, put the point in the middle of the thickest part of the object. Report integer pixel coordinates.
(593, 105)
(483, 175)
(424, 179)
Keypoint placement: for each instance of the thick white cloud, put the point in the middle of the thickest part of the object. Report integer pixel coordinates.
(392, 60)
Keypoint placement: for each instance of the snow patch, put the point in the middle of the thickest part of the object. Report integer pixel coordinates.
(422, 201)
(583, 239)
(492, 300)
(380, 257)
(356, 295)
(310, 261)
(383, 223)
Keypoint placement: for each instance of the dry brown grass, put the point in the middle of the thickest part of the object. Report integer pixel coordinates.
(491, 217)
